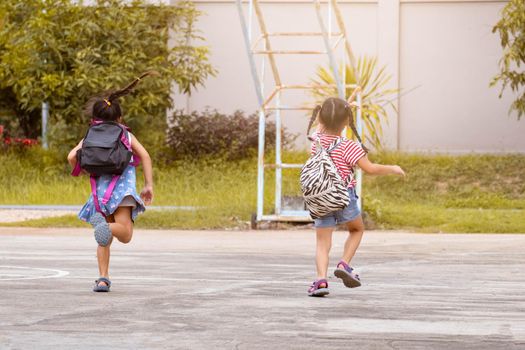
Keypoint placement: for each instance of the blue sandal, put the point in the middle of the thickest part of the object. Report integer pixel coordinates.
(316, 290)
(348, 275)
(103, 234)
(100, 287)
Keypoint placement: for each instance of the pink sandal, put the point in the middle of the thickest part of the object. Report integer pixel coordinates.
(316, 290)
(348, 275)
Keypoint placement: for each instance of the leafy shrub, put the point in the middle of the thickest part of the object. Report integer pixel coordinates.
(213, 133)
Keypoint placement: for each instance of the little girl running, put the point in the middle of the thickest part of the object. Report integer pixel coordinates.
(334, 115)
(114, 216)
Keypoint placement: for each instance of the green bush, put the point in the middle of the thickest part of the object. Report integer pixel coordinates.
(211, 133)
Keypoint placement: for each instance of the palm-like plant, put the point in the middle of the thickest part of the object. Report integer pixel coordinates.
(375, 96)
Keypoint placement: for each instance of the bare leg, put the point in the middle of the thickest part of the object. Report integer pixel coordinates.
(122, 226)
(324, 243)
(355, 233)
(103, 261)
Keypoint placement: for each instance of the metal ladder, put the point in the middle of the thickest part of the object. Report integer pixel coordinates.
(272, 102)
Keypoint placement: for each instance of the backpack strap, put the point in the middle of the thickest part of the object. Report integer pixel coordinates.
(107, 194)
(336, 144)
(318, 145)
(93, 182)
(127, 142)
(125, 138)
(109, 190)
(136, 161)
(76, 171)
(330, 148)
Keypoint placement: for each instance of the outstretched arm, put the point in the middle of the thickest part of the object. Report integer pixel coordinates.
(72, 156)
(379, 169)
(147, 193)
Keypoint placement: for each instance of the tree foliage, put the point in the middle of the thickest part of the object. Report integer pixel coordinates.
(63, 52)
(511, 29)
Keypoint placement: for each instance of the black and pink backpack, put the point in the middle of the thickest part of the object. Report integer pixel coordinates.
(106, 150)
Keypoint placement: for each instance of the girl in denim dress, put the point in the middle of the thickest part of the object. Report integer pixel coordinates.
(115, 217)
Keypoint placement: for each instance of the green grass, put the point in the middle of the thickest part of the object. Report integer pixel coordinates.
(223, 192)
(474, 193)
(438, 219)
(151, 219)
(471, 193)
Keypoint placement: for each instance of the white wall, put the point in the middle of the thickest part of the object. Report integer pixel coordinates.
(449, 50)
(445, 47)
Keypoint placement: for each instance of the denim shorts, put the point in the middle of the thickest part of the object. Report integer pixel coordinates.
(351, 212)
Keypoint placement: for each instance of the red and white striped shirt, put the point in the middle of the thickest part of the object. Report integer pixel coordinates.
(344, 156)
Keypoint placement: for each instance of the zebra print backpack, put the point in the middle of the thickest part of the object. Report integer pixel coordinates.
(323, 189)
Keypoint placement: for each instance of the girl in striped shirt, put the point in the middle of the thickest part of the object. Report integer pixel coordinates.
(334, 115)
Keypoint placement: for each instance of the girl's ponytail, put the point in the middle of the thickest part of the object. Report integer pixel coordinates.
(105, 106)
(352, 126)
(123, 92)
(312, 120)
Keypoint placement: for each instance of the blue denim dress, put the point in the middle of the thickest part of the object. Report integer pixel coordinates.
(125, 186)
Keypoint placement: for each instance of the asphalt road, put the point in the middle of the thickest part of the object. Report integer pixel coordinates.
(247, 290)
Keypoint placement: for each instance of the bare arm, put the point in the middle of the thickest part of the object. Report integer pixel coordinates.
(138, 149)
(379, 169)
(72, 156)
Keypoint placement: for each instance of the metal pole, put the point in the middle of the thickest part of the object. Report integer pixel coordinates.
(263, 73)
(45, 118)
(251, 60)
(250, 19)
(260, 99)
(45, 110)
(262, 136)
(342, 29)
(267, 44)
(343, 72)
(359, 127)
(329, 20)
(260, 166)
(278, 160)
(329, 51)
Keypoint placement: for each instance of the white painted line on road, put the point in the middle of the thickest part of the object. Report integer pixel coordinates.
(25, 277)
(3, 274)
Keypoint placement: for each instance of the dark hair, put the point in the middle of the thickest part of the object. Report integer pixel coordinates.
(333, 114)
(106, 106)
